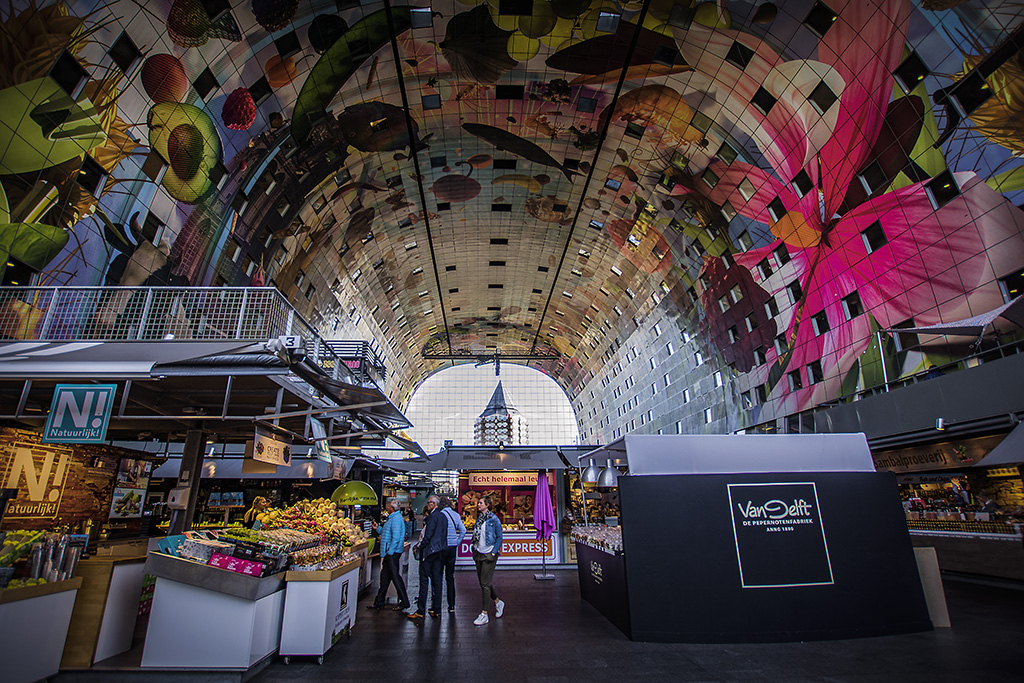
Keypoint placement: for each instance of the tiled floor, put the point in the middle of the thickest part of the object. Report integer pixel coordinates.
(548, 634)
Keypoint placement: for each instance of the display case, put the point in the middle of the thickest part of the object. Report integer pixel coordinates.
(205, 617)
(33, 628)
(319, 609)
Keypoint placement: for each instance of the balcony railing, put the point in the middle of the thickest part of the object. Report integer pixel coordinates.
(148, 314)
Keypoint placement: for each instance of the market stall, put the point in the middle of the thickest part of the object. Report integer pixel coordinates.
(33, 627)
(511, 494)
(319, 607)
(753, 522)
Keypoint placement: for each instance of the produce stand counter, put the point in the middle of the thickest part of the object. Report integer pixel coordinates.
(107, 606)
(319, 608)
(33, 627)
(204, 617)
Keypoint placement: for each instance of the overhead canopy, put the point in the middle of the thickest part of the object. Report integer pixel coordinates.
(737, 453)
(974, 326)
(1009, 451)
(495, 458)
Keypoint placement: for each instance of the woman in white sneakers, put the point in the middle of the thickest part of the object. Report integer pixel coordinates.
(486, 547)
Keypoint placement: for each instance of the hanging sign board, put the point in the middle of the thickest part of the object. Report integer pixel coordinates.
(321, 446)
(79, 413)
(271, 449)
(506, 478)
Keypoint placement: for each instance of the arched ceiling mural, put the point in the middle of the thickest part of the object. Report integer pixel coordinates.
(535, 177)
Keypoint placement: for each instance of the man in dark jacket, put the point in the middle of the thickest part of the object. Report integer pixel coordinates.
(430, 551)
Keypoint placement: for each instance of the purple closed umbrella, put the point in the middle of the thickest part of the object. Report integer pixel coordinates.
(543, 520)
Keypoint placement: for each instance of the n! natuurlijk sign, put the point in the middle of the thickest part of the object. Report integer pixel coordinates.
(79, 413)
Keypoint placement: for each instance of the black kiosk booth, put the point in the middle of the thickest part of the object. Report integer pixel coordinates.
(754, 538)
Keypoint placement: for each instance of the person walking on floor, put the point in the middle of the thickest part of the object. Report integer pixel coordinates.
(430, 551)
(456, 532)
(392, 542)
(486, 548)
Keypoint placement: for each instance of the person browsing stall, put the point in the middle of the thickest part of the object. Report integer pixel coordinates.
(392, 542)
(486, 548)
(456, 532)
(430, 551)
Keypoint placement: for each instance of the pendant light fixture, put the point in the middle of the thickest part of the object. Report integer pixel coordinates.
(592, 473)
(609, 477)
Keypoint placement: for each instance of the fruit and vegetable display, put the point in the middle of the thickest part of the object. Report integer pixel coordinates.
(320, 517)
(24, 583)
(18, 544)
(312, 559)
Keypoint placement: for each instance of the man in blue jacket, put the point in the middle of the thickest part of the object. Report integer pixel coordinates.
(430, 551)
(392, 542)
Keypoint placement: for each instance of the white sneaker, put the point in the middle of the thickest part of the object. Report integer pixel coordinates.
(482, 619)
(499, 608)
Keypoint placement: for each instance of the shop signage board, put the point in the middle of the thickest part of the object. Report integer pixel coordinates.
(39, 475)
(499, 478)
(939, 456)
(271, 449)
(515, 548)
(79, 413)
(780, 539)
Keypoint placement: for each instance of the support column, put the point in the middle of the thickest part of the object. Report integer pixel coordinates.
(190, 475)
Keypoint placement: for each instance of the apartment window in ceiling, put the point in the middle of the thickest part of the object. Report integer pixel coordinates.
(734, 334)
(508, 92)
(494, 308)
(872, 178)
(751, 322)
(449, 269)
(814, 373)
(504, 164)
(597, 225)
(421, 17)
(91, 176)
(820, 19)
(507, 208)
(970, 92)
(707, 416)
(368, 237)
(781, 345)
(746, 189)
(781, 255)
(735, 293)
(852, 306)
(718, 378)
(759, 356)
(698, 358)
(567, 295)
(764, 269)
(343, 249)
(1012, 286)
(125, 53)
(819, 323)
(874, 237)
(495, 285)
(941, 189)
(607, 22)
(438, 161)
(776, 209)
(430, 100)
(515, 7)
(205, 83)
(802, 183)
(795, 291)
(453, 290)
(586, 104)
(288, 45)
(701, 121)
(822, 98)
(666, 55)
(310, 291)
(794, 380)
(634, 130)
(911, 72)
(69, 74)
(536, 291)
(739, 54)
(423, 293)
(723, 303)
(378, 263)
(763, 100)
(709, 177)
(542, 269)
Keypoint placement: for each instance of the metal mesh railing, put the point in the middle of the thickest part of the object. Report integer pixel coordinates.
(158, 313)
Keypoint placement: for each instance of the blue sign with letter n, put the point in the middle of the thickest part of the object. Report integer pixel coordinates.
(79, 413)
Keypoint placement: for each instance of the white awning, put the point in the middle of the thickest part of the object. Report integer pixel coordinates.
(974, 326)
